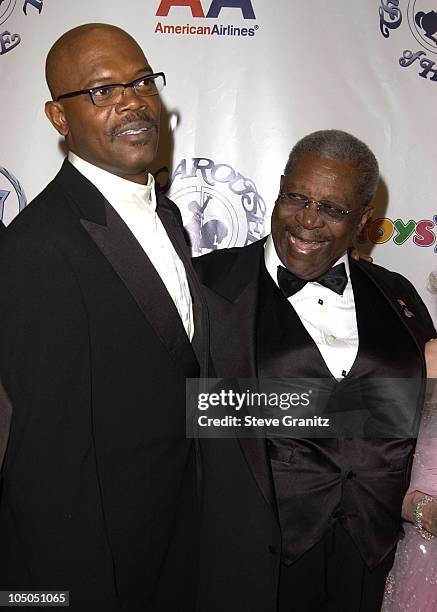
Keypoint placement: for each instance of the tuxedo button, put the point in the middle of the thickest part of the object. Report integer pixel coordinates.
(337, 514)
(350, 475)
(272, 549)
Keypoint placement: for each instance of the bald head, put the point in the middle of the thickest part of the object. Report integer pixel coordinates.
(74, 49)
(120, 137)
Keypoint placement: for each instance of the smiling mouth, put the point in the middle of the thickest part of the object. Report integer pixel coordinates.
(305, 246)
(133, 132)
(137, 129)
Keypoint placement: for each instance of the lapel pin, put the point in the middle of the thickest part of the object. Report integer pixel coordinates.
(407, 312)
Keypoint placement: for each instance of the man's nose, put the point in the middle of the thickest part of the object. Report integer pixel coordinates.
(131, 100)
(309, 217)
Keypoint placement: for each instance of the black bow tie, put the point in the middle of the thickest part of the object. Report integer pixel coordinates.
(335, 279)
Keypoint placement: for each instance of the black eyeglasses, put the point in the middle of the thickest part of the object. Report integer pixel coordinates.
(328, 211)
(109, 95)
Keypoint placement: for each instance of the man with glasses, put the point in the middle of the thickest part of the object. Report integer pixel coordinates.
(313, 522)
(102, 321)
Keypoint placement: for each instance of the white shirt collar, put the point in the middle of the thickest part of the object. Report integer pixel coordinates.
(114, 187)
(272, 260)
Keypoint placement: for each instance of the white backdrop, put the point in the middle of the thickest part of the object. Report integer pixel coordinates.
(237, 100)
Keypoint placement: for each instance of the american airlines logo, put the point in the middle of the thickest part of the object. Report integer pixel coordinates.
(194, 10)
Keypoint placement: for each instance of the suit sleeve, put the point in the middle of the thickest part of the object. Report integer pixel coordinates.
(420, 310)
(401, 292)
(49, 478)
(40, 306)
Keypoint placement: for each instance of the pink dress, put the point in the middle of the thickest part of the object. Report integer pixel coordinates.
(412, 582)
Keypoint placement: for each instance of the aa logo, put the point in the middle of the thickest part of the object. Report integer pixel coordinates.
(213, 12)
(241, 9)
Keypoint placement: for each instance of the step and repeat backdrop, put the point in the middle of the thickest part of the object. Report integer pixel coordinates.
(245, 80)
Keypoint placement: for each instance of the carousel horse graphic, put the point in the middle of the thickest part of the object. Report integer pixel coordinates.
(203, 235)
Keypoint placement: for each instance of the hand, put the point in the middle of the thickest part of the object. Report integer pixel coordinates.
(429, 518)
(429, 511)
(431, 358)
(409, 504)
(355, 254)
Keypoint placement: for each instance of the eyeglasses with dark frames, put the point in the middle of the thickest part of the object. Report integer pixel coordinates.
(109, 95)
(328, 211)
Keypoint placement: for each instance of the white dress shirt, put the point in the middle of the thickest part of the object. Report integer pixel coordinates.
(136, 205)
(329, 318)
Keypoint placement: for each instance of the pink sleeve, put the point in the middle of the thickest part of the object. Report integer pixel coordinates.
(424, 472)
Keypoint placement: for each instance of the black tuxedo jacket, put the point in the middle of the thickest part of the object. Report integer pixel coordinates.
(233, 285)
(99, 492)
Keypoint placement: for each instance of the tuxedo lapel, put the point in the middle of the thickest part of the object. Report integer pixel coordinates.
(117, 243)
(231, 291)
(238, 291)
(200, 342)
(255, 452)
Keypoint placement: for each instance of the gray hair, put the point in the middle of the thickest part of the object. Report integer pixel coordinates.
(341, 146)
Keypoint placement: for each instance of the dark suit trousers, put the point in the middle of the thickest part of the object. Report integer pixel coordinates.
(331, 577)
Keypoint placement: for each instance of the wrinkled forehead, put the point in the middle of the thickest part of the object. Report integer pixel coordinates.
(322, 176)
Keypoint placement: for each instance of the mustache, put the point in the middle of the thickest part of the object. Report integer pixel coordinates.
(142, 116)
(301, 234)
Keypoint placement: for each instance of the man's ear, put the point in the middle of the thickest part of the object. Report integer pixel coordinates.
(56, 115)
(367, 214)
(281, 184)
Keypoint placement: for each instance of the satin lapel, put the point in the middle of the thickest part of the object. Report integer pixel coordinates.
(230, 285)
(130, 262)
(124, 253)
(200, 342)
(254, 450)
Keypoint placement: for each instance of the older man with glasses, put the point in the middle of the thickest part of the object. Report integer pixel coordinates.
(314, 522)
(102, 321)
